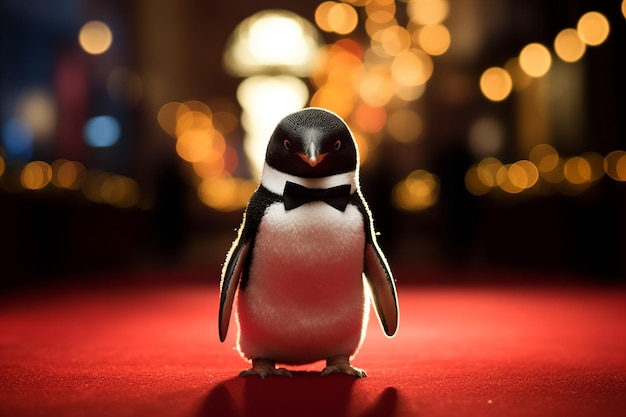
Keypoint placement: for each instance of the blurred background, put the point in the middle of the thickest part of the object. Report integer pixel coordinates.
(491, 132)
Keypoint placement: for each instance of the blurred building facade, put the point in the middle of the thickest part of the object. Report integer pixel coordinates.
(126, 135)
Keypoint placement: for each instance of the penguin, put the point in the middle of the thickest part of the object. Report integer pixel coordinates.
(305, 254)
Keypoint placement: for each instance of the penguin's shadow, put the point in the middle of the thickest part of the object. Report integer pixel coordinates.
(305, 394)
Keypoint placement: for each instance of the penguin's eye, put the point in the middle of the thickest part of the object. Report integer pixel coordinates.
(337, 145)
(287, 144)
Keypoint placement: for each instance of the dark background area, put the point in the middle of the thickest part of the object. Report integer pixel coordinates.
(176, 50)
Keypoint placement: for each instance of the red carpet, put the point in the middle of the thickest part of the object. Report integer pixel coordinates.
(154, 351)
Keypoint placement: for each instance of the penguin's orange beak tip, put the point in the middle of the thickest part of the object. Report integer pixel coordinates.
(312, 160)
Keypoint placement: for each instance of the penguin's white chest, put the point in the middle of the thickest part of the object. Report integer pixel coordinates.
(305, 298)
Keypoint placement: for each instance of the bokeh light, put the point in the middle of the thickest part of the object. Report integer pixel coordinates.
(336, 77)
(526, 174)
(225, 114)
(102, 131)
(116, 190)
(596, 164)
(490, 173)
(488, 170)
(37, 109)
(496, 83)
(194, 145)
(272, 40)
(120, 191)
(17, 139)
(593, 28)
(549, 163)
(405, 125)
(376, 87)
(95, 37)
(412, 68)
(569, 46)
(552, 169)
(434, 39)
(393, 40)
(535, 60)
(226, 193)
(341, 18)
(620, 168)
(193, 117)
(67, 174)
(511, 178)
(541, 152)
(36, 175)
(428, 12)
(370, 119)
(419, 191)
(615, 165)
(375, 7)
(167, 117)
(198, 130)
(409, 93)
(379, 13)
(473, 184)
(336, 97)
(92, 186)
(322, 13)
(270, 98)
(577, 170)
(266, 100)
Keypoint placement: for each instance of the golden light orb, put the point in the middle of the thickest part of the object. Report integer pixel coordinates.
(95, 37)
(593, 28)
(569, 46)
(496, 84)
(535, 60)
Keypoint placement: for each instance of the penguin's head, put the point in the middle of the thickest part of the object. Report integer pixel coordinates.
(312, 143)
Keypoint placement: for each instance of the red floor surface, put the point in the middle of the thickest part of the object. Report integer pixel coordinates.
(153, 350)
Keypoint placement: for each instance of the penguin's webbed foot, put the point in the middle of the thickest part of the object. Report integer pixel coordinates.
(264, 367)
(341, 365)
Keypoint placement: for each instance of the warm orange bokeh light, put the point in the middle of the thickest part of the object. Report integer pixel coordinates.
(434, 39)
(428, 12)
(36, 175)
(95, 37)
(331, 16)
(569, 46)
(535, 60)
(405, 125)
(496, 84)
(370, 119)
(593, 28)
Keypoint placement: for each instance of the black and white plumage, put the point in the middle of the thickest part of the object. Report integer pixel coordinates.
(296, 270)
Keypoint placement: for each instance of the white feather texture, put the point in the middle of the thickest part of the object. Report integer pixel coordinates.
(274, 180)
(305, 300)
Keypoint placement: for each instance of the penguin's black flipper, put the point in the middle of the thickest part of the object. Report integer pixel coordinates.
(378, 273)
(383, 288)
(235, 272)
(231, 275)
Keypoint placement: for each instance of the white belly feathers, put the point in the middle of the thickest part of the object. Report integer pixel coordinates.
(305, 298)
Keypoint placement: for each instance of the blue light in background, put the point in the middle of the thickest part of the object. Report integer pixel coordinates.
(17, 139)
(102, 131)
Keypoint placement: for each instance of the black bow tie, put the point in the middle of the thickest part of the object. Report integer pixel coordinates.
(296, 195)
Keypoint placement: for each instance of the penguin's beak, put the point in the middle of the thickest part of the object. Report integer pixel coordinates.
(312, 155)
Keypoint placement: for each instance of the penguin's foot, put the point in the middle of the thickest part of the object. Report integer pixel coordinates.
(341, 365)
(264, 367)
